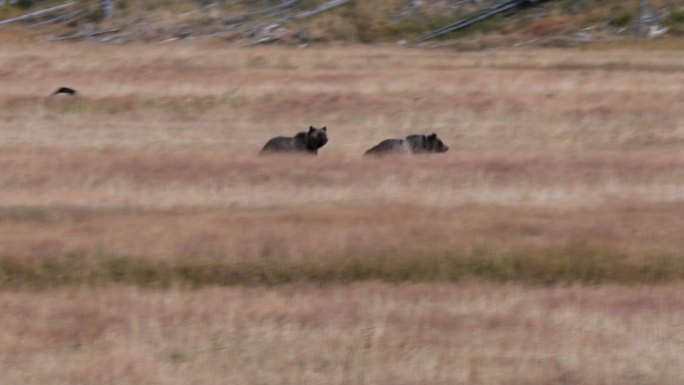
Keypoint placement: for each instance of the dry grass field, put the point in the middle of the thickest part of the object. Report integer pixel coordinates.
(143, 240)
(151, 174)
(364, 333)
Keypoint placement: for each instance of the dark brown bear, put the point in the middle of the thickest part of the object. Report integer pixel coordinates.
(306, 142)
(412, 144)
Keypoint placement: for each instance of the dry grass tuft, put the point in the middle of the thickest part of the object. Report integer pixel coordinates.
(360, 333)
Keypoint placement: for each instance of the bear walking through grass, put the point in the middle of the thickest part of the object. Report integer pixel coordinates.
(412, 144)
(307, 142)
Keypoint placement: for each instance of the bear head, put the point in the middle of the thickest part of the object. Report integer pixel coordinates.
(435, 144)
(316, 137)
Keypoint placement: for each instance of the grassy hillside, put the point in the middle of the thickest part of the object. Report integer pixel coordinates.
(368, 21)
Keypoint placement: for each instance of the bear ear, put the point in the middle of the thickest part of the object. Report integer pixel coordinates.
(311, 128)
(325, 129)
(432, 136)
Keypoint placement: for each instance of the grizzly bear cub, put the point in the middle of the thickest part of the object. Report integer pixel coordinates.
(306, 142)
(412, 144)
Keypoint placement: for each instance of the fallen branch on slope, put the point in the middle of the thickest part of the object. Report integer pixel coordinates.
(320, 9)
(263, 11)
(59, 19)
(35, 14)
(83, 35)
(271, 32)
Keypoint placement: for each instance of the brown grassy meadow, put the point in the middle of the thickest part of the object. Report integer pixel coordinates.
(362, 333)
(141, 235)
(152, 173)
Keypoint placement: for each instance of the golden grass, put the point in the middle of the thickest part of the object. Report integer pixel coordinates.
(361, 333)
(565, 166)
(153, 168)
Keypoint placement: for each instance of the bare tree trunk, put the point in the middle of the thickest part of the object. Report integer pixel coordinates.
(576, 5)
(108, 8)
(640, 32)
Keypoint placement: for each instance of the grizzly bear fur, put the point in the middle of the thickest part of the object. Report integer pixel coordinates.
(304, 142)
(412, 144)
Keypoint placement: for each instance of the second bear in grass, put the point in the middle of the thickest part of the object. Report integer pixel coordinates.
(412, 144)
(304, 142)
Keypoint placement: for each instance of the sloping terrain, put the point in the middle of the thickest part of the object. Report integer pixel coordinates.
(497, 22)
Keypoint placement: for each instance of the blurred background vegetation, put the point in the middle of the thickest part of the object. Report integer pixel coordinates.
(367, 21)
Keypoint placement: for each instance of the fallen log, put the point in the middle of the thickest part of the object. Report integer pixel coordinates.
(259, 32)
(59, 19)
(41, 12)
(501, 8)
(298, 16)
(263, 11)
(321, 8)
(83, 35)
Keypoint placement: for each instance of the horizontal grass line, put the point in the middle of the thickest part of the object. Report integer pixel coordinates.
(573, 264)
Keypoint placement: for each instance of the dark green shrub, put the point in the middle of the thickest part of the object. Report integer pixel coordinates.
(622, 19)
(24, 4)
(676, 17)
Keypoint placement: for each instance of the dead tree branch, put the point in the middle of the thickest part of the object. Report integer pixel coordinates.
(59, 19)
(298, 16)
(270, 31)
(321, 8)
(483, 14)
(83, 35)
(35, 14)
(263, 11)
